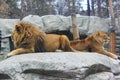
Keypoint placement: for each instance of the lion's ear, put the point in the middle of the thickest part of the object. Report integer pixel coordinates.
(17, 28)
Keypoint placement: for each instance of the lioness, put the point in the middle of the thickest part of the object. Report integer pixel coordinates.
(95, 42)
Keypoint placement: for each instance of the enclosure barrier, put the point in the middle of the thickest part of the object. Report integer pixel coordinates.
(6, 37)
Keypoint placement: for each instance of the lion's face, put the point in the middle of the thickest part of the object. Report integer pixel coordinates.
(22, 32)
(101, 37)
(20, 28)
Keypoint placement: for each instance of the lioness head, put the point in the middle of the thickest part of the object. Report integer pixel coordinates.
(101, 37)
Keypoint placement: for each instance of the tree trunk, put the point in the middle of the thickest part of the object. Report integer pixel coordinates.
(88, 8)
(107, 8)
(117, 8)
(50, 8)
(74, 26)
(92, 6)
(22, 9)
(0, 39)
(73, 6)
(69, 8)
(0, 6)
(74, 23)
(99, 8)
(112, 33)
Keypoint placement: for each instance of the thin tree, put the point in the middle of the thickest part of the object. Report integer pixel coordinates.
(92, 6)
(74, 23)
(113, 25)
(99, 8)
(73, 7)
(49, 6)
(22, 9)
(117, 8)
(107, 8)
(0, 39)
(88, 7)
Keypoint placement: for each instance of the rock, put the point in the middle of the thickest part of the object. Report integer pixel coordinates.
(117, 77)
(53, 23)
(6, 25)
(101, 76)
(58, 65)
(91, 24)
(49, 23)
(34, 19)
(86, 25)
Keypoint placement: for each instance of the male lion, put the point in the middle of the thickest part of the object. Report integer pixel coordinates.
(27, 39)
(94, 42)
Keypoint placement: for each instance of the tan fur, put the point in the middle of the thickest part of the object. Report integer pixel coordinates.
(27, 39)
(95, 42)
(54, 42)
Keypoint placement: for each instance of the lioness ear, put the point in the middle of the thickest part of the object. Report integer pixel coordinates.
(98, 33)
(17, 28)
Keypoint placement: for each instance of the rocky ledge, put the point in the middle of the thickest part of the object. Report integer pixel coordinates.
(60, 66)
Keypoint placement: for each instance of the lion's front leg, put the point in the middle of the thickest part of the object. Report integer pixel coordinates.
(112, 55)
(19, 51)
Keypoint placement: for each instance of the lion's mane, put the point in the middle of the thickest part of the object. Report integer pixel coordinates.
(27, 39)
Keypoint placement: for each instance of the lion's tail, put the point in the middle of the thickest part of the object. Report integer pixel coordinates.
(65, 44)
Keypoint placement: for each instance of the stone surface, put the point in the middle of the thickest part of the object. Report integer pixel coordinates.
(101, 76)
(59, 65)
(86, 25)
(6, 25)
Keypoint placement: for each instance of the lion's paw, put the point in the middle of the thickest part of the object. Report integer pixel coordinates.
(9, 55)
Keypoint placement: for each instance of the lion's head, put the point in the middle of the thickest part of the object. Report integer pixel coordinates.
(27, 35)
(101, 37)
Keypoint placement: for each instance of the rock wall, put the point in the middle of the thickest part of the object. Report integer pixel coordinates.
(87, 25)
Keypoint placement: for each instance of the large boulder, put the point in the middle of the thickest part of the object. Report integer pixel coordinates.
(61, 65)
(49, 23)
(86, 24)
(6, 25)
(102, 76)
